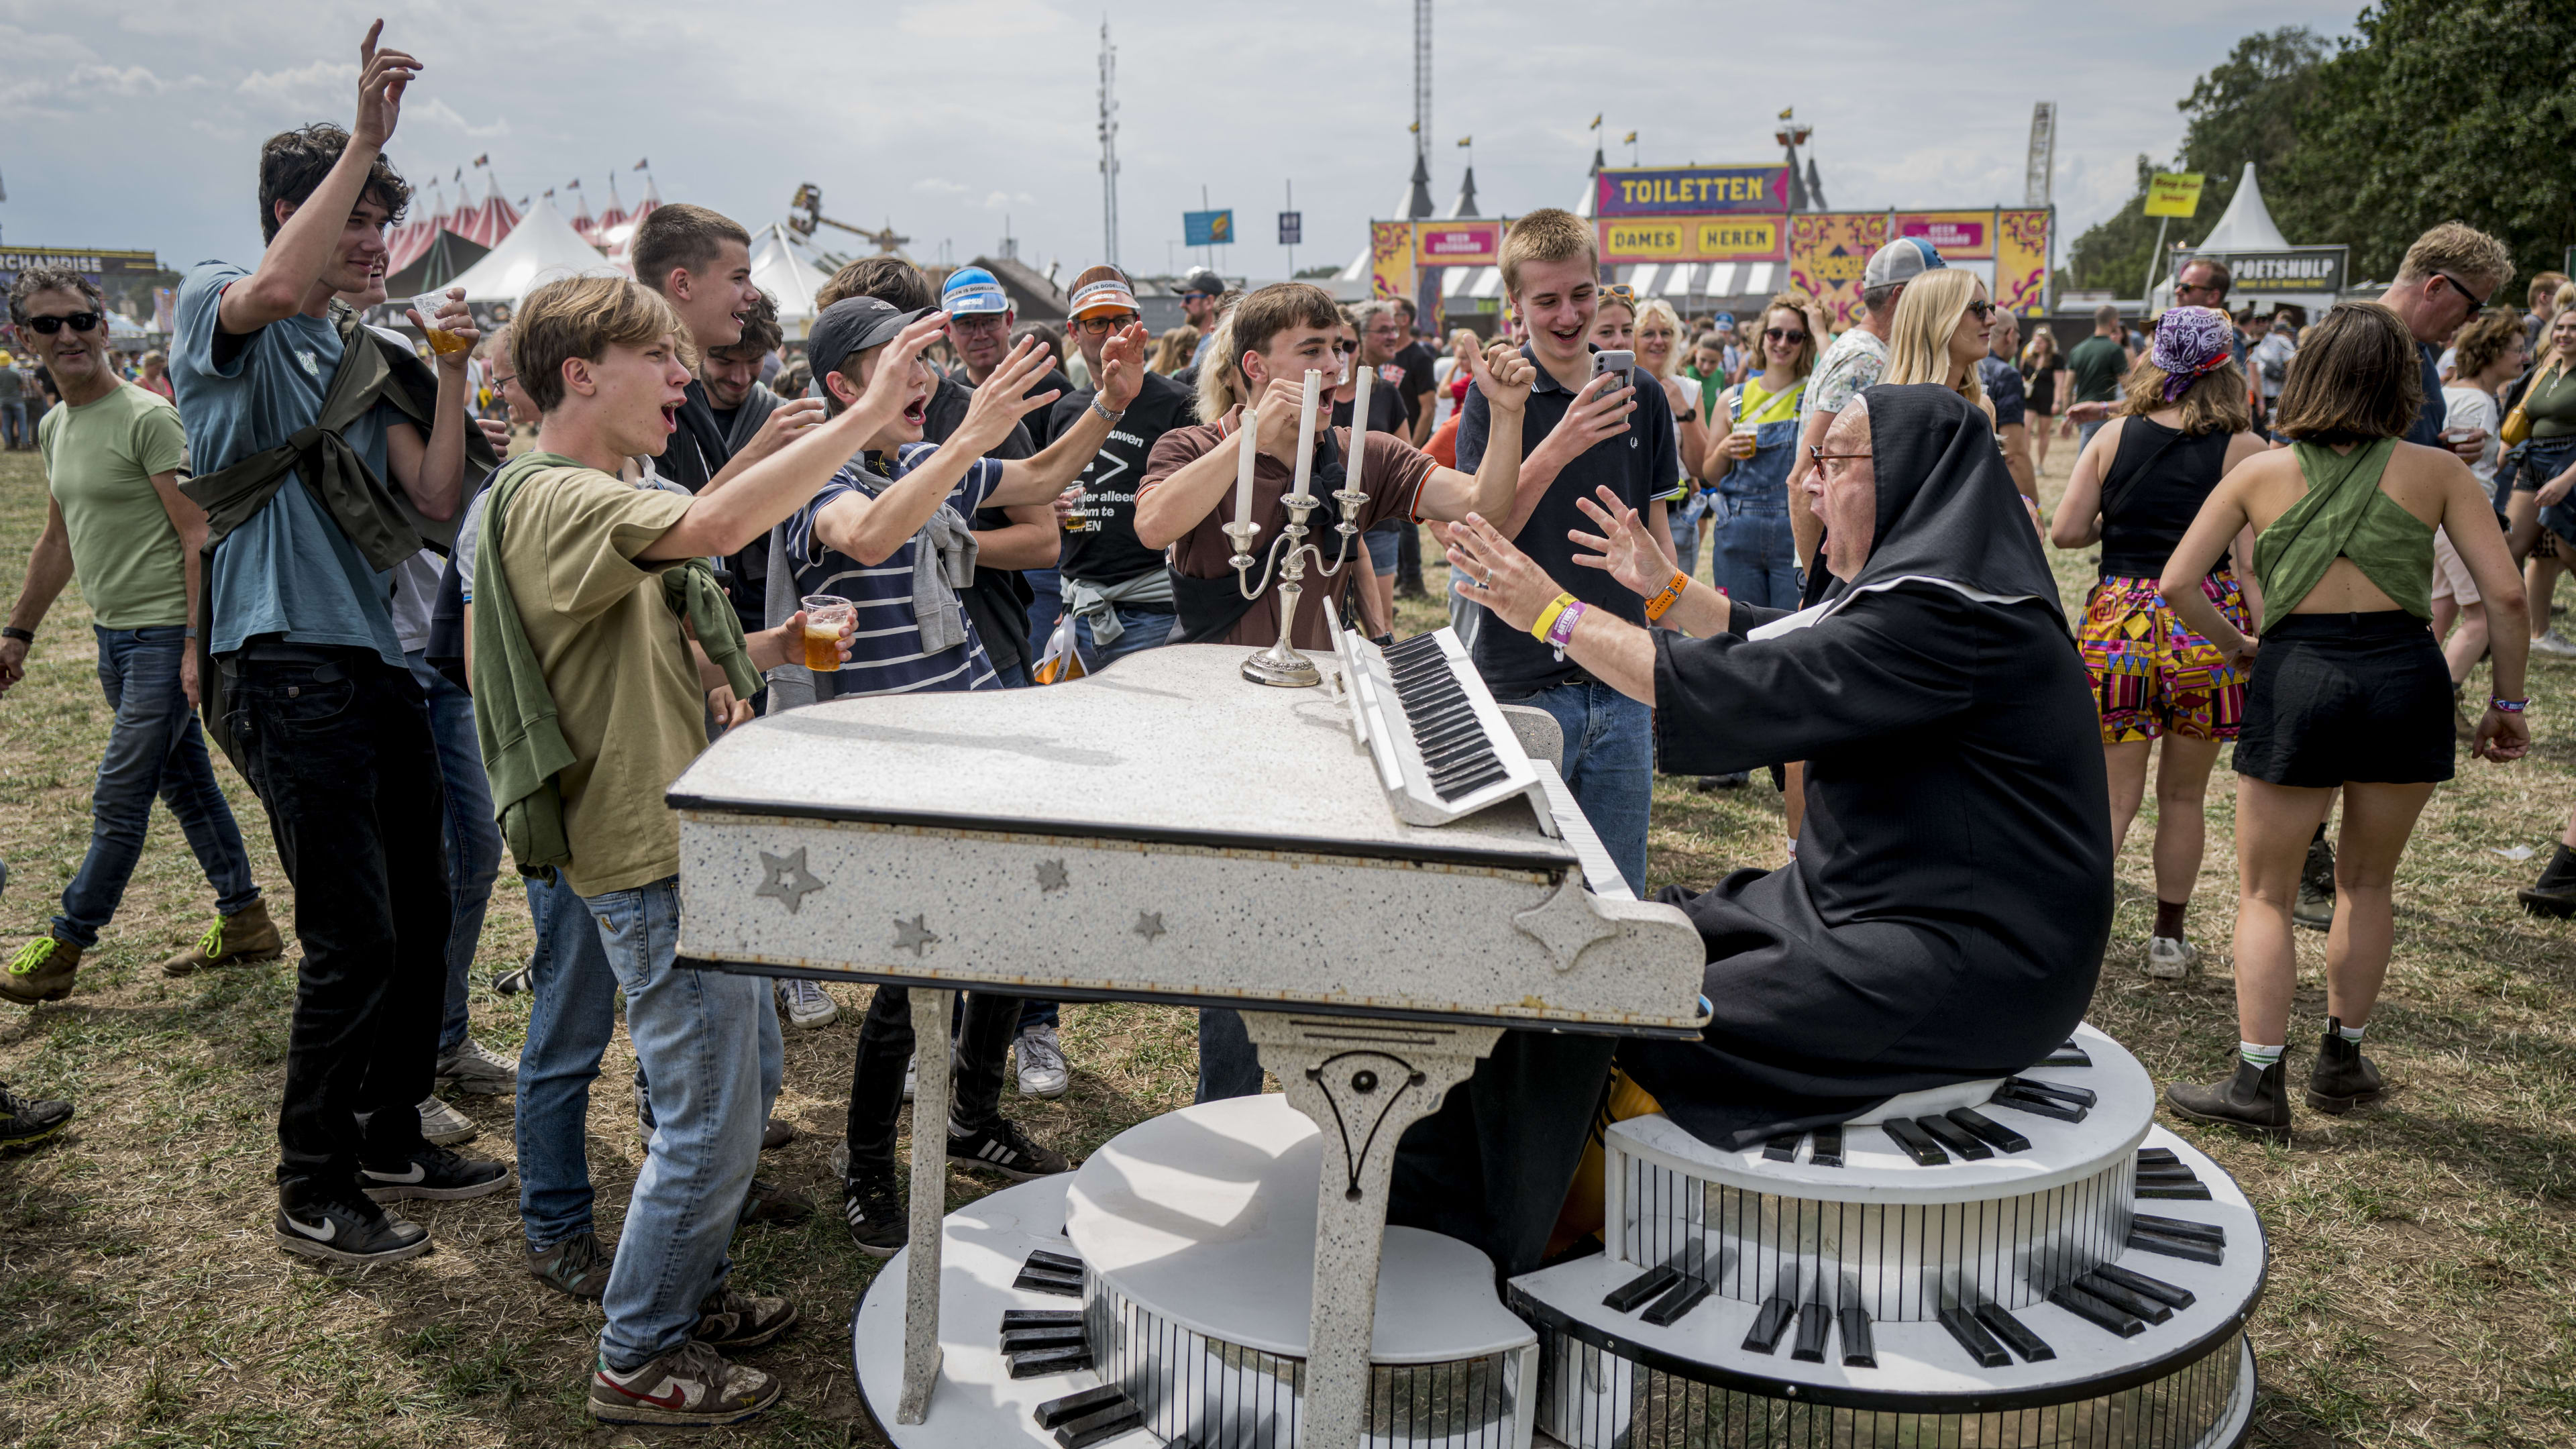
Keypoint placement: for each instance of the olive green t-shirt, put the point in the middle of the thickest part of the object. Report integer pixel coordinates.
(626, 689)
(99, 462)
(2096, 364)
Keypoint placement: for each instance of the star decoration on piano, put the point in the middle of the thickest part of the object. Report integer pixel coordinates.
(913, 936)
(1149, 924)
(1051, 876)
(787, 881)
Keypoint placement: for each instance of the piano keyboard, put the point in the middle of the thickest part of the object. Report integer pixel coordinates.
(1443, 749)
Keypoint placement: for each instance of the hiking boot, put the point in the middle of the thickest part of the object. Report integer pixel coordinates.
(1005, 1149)
(1039, 1058)
(577, 1267)
(2170, 958)
(474, 1069)
(24, 1123)
(2554, 894)
(331, 1228)
(41, 971)
(437, 1174)
(807, 1004)
(245, 935)
(874, 1209)
(774, 1205)
(2256, 1100)
(2343, 1078)
(691, 1385)
(442, 1125)
(775, 1134)
(731, 1321)
(2315, 906)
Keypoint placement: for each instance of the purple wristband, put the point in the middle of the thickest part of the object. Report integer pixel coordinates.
(1561, 633)
(2501, 706)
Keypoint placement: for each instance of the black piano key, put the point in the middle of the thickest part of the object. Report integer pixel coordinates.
(2196, 1250)
(1451, 779)
(1988, 1130)
(2069, 1055)
(2072, 1096)
(1981, 1346)
(1435, 699)
(1465, 737)
(2015, 1334)
(2158, 1156)
(1092, 1428)
(1039, 1280)
(2139, 1283)
(1474, 749)
(1958, 1139)
(1055, 1412)
(1813, 1322)
(1431, 717)
(1911, 1139)
(1042, 1362)
(1023, 1340)
(2136, 1305)
(1859, 1350)
(2093, 1310)
(1646, 1285)
(1455, 788)
(1684, 1296)
(1039, 1318)
(1060, 1262)
(2179, 1227)
(2037, 1106)
(1828, 1151)
(1447, 729)
(2173, 1192)
(1783, 1148)
(1769, 1324)
(2159, 1172)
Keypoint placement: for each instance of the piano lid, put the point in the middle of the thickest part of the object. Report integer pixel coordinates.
(1170, 744)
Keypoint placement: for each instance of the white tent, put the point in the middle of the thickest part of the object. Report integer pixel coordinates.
(2246, 226)
(541, 248)
(779, 268)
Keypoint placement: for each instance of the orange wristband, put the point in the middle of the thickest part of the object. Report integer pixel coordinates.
(1656, 606)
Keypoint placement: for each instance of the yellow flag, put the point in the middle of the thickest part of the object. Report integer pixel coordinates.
(1596, 124)
(1631, 141)
(1466, 140)
(1785, 110)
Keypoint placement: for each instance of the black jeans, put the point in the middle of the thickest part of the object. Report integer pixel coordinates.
(339, 751)
(885, 1045)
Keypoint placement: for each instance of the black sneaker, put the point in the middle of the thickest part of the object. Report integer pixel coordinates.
(728, 1321)
(577, 1266)
(775, 1134)
(437, 1173)
(1005, 1149)
(775, 1205)
(2315, 906)
(875, 1211)
(25, 1123)
(353, 1230)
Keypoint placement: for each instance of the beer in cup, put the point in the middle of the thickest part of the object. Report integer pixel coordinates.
(441, 341)
(824, 616)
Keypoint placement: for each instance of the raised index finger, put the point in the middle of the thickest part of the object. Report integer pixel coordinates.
(367, 47)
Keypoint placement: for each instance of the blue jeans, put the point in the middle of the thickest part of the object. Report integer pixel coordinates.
(473, 839)
(1044, 609)
(1609, 764)
(571, 1016)
(13, 424)
(1757, 556)
(1146, 629)
(2084, 435)
(1683, 519)
(699, 1036)
(154, 747)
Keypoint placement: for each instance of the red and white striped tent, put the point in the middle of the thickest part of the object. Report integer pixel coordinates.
(582, 221)
(410, 240)
(488, 222)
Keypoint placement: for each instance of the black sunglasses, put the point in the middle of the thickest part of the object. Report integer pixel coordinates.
(1984, 310)
(2474, 300)
(77, 321)
(1777, 334)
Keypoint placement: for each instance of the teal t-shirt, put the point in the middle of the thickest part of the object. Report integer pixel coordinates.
(288, 570)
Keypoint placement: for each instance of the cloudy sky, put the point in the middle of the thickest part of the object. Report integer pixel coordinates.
(137, 125)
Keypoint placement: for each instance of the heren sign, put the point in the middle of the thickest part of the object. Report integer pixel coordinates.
(1693, 190)
(2305, 271)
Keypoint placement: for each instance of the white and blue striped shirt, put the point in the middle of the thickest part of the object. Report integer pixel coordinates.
(886, 655)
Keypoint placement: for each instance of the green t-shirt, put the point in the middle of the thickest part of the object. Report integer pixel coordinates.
(2096, 364)
(625, 687)
(2550, 406)
(99, 462)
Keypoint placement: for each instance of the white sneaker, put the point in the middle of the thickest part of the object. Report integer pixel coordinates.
(1040, 1059)
(442, 1124)
(840, 1158)
(474, 1069)
(2169, 959)
(2550, 641)
(807, 1003)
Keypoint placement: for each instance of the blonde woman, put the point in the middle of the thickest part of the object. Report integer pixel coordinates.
(1173, 350)
(1940, 331)
(1658, 345)
(1756, 560)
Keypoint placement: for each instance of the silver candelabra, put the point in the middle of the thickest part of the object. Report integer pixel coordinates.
(1281, 664)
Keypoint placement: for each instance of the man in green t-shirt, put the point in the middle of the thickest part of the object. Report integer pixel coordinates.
(114, 454)
(2096, 365)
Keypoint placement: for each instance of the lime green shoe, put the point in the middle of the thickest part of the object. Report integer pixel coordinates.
(41, 971)
(245, 935)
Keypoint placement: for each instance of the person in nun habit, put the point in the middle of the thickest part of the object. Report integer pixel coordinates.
(1944, 917)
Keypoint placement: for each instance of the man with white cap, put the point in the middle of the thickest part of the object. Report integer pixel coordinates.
(1857, 359)
(980, 317)
(1115, 587)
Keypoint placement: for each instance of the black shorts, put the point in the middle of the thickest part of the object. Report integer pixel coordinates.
(2345, 698)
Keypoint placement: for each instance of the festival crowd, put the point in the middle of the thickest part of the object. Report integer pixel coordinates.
(442, 611)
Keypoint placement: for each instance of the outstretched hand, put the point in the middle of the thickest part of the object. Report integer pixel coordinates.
(383, 75)
(1502, 578)
(1005, 398)
(893, 378)
(1624, 547)
(1122, 367)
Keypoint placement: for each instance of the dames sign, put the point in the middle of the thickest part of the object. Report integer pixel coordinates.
(1692, 191)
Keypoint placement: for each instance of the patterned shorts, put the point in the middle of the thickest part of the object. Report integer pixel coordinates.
(2151, 674)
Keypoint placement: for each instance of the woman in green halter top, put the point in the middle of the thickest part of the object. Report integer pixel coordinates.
(2348, 687)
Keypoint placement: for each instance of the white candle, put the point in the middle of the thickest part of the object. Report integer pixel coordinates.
(1365, 374)
(1244, 454)
(1306, 430)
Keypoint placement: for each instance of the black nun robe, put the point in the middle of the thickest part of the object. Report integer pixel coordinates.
(1945, 916)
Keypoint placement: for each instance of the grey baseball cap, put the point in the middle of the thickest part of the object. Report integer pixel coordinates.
(854, 324)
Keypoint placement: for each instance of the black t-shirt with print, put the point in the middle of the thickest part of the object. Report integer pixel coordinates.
(1105, 551)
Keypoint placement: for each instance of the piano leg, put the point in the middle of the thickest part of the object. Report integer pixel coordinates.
(930, 1092)
(1363, 1082)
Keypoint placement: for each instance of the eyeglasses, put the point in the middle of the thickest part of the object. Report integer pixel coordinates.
(1782, 334)
(2207, 288)
(77, 321)
(1823, 457)
(1103, 326)
(981, 322)
(2474, 300)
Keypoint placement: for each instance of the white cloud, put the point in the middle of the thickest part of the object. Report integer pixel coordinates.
(439, 111)
(940, 186)
(336, 79)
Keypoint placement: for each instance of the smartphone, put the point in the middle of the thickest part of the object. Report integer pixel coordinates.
(1622, 362)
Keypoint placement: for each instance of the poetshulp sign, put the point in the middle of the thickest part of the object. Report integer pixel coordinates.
(2299, 271)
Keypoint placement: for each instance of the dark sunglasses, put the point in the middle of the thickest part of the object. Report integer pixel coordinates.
(78, 322)
(1622, 292)
(1985, 310)
(2474, 300)
(1780, 334)
(1341, 346)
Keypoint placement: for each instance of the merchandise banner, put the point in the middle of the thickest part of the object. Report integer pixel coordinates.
(2021, 260)
(1959, 236)
(1456, 243)
(1827, 250)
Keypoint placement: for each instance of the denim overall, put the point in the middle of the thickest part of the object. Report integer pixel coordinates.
(1757, 559)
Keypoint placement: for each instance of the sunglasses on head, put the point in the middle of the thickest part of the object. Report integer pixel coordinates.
(1783, 334)
(77, 321)
(1621, 292)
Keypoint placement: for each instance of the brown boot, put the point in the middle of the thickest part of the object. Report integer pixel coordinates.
(2256, 1100)
(2343, 1078)
(245, 935)
(41, 971)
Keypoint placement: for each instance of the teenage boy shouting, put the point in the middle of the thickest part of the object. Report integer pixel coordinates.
(590, 700)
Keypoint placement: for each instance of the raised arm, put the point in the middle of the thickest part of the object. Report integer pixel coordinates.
(1039, 479)
(1504, 377)
(1628, 550)
(1176, 503)
(432, 472)
(1600, 411)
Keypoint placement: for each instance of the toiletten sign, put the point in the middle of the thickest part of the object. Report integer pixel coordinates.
(1692, 191)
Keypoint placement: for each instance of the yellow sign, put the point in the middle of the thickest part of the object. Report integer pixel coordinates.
(1649, 239)
(1692, 238)
(2173, 193)
(1757, 237)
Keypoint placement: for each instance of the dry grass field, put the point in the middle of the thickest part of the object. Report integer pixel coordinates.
(2423, 1252)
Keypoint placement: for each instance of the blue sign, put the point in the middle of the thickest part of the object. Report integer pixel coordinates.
(1292, 228)
(1207, 228)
